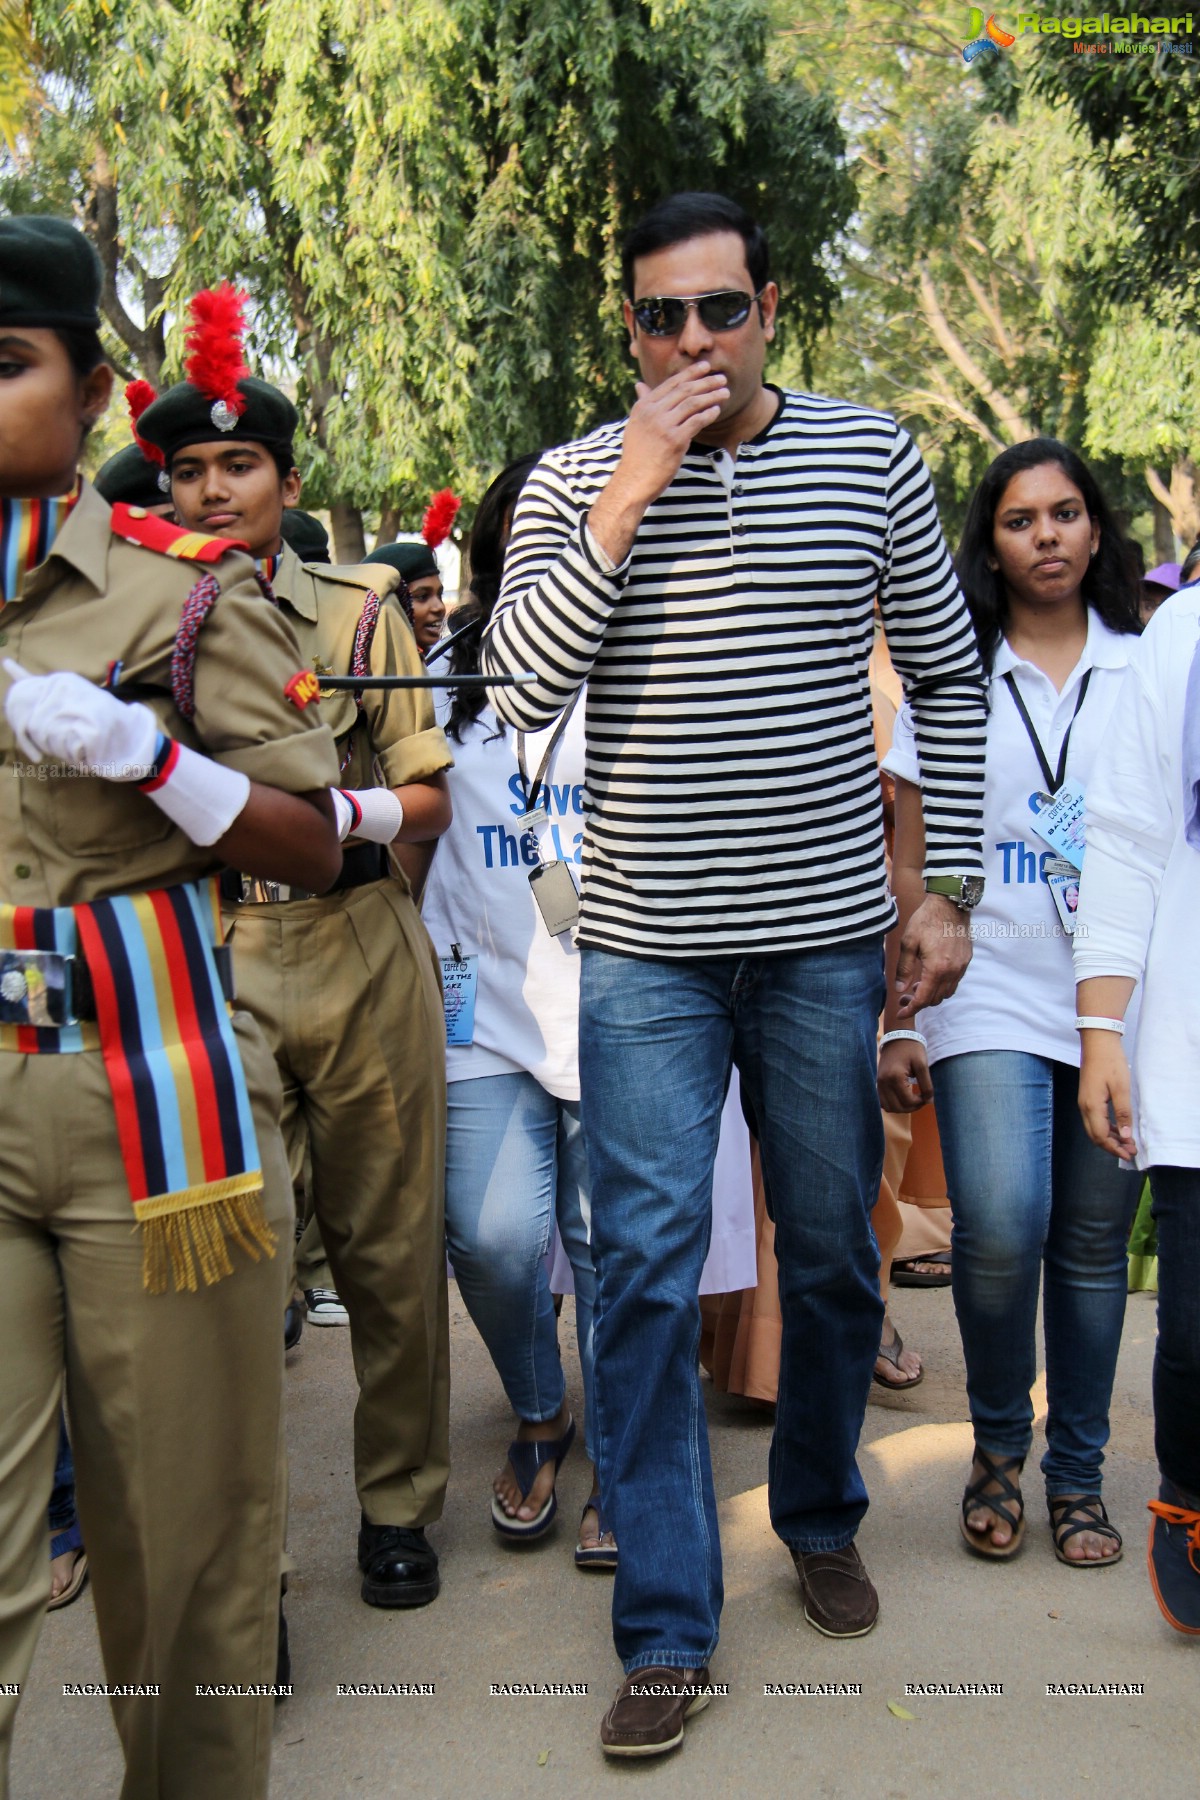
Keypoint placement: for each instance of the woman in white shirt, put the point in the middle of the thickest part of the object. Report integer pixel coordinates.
(515, 1164)
(1138, 916)
(1044, 573)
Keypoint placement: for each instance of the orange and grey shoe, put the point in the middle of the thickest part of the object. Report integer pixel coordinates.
(1173, 1557)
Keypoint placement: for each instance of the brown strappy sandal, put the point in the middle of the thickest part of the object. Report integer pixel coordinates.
(997, 1472)
(1072, 1513)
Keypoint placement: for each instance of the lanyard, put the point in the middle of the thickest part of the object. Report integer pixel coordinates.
(531, 793)
(1053, 781)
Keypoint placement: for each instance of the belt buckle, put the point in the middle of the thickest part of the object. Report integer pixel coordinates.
(37, 988)
(258, 892)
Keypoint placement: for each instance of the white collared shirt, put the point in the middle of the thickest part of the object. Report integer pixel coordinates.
(1141, 890)
(1019, 990)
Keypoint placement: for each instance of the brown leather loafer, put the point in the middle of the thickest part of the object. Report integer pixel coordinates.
(838, 1596)
(647, 1716)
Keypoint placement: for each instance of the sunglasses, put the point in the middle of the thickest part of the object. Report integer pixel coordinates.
(665, 315)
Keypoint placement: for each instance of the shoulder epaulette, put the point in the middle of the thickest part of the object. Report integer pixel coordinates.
(137, 526)
(371, 578)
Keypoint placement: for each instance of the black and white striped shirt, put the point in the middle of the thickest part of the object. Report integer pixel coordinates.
(732, 783)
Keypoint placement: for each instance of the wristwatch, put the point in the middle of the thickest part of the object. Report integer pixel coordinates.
(964, 890)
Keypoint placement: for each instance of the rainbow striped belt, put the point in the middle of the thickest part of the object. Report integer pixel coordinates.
(164, 1030)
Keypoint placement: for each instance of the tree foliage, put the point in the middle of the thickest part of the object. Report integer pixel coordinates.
(424, 197)
(984, 287)
(1143, 115)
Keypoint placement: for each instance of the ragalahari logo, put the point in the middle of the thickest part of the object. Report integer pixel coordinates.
(984, 37)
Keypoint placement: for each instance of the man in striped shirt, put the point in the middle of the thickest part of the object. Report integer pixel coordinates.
(710, 567)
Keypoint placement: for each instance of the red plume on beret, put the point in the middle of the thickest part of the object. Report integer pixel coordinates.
(439, 517)
(214, 335)
(139, 395)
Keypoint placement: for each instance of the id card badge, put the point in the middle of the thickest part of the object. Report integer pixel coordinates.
(1062, 878)
(1061, 822)
(460, 980)
(553, 887)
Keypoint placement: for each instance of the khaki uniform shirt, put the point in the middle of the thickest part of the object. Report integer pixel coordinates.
(394, 738)
(96, 600)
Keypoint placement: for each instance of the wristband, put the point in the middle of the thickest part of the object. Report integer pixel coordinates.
(1095, 1023)
(893, 1037)
(373, 815)
(199, 795)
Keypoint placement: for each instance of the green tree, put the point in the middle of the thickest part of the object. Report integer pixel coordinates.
(980, 292)
(425, 200)
(17, 58)
(1143, 115)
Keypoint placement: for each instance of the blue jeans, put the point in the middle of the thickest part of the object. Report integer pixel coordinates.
(657, 1040)
(515, 1164)
(1029, 1192)
(1177, 1353)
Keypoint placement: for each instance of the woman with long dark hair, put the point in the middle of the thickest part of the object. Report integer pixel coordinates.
(1034, 1202)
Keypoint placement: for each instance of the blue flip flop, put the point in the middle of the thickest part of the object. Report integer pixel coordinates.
(595, 1556)
(526, 1460)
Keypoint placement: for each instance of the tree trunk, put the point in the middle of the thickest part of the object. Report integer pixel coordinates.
(349, 540)
(1178, 505)
(1008, 414)
(1164, 537)
(389, 523)
(146, 344)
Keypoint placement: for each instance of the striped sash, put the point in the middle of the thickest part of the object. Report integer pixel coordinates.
(180, 1100)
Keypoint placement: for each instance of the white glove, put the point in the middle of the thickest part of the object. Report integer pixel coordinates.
(373, 814)
(74, 722)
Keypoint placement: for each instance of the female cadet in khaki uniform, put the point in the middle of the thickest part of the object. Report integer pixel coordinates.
(345, 987)
(143, 1186)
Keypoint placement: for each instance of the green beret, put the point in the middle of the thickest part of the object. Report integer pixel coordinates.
(49, 275)
(184, 415)
(414, 561)
(305, 535)
(131, 477)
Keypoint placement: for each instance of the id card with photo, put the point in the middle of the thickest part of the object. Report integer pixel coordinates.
(1062, 878)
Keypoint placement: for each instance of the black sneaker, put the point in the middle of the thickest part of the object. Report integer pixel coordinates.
(399, 1567)
(324, 1307)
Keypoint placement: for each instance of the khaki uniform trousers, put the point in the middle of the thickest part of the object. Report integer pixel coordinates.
(312, 1265)
(175, 1403)
(348, 993)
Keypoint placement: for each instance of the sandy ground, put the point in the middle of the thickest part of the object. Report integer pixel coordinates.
(506, 1616)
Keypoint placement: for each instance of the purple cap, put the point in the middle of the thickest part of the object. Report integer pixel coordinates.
(1166, 575)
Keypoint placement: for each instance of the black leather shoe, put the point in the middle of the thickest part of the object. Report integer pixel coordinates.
(399, 1567)
(283, 1658)
(293, 1325)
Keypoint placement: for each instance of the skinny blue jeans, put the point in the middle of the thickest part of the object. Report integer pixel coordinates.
(515, 1164)
(1033, 1200)
(657, 1040)
(64, 1524)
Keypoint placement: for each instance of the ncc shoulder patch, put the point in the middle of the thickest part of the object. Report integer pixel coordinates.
(136, 526)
